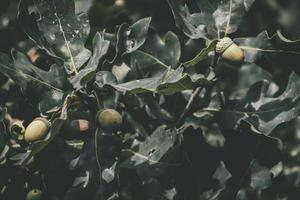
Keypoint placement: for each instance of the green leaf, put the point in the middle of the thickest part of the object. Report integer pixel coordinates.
(222, 175)
(136, 35)
(166, 83)
(215, 17)
(255, 47)
(152, 156)
(129, 38)
(104, 78)
(208, 6)
(249, 74)
(45, 88)
(100, 48)
(58, 30)
(203, 54)
(155, 56)
(263, 112)
(261, 47)
(195, 26)
(230, 13)
(261, 177)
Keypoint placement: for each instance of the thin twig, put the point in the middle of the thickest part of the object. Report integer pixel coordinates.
(97, 99)
(98, 161)
(188, 105)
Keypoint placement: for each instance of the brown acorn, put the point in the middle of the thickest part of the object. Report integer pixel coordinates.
(229, 51)
(37, 129)
(34, 194)
(109, 119)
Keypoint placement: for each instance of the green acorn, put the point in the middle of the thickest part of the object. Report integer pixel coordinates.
(34, 194)
(229, 51)
(109, 119)
(37, 129)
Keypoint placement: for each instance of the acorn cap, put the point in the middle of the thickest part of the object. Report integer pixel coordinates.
(223, 44)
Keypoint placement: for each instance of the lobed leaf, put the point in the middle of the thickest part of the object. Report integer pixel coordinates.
(166, 83)
(57, 29)
(45, 88)
(263, 112)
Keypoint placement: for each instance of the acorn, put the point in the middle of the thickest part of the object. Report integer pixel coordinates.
(109, 119)
(34, 194)
(37, 129)
(229, 51)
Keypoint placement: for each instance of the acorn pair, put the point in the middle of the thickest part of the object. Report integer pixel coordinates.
(108, 119)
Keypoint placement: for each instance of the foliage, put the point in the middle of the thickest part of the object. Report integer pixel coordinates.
(195, 126)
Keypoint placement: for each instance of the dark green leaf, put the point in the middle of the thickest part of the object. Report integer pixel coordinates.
(136, 35)
(249, 74)
(230, 13)
(60, 31)
(104, 78)
(152, 150)
(129, 38)
(195, 26)
(261, 177)
(221, 175)
(155, 56)
(46, 88)
(208, 6)
(166, 83)
(255, 47)
(100, 47)
(263, 112)
(202, 54)
(155, 153)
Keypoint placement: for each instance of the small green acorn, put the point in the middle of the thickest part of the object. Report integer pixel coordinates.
(37, 129)
(109, 119)
(34, 194)
(229, 51)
